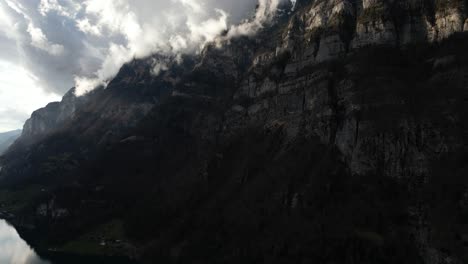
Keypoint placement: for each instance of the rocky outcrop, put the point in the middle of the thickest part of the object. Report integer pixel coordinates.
(42, 120)
(48, 119)
(450, 17)
(324, 30)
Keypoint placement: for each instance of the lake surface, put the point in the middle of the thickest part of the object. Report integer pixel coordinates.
(14, 250)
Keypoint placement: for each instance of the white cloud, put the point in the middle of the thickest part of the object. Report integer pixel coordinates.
(193, 4)
(85, 26)
(84, 85)
(38, 38)
(47, 46)
(208, 30)
(16, 6)
(40, 41)
(265, 12)
(158, 67)
(118, 55)
(91, 39)
(85, 42)
(183, 26)
(7, 25)
(187, 28)
(47, 6)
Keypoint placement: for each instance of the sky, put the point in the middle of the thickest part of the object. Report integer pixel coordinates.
(49, 46)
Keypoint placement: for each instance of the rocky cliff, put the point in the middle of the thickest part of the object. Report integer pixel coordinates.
(336, 134)
(46, 120)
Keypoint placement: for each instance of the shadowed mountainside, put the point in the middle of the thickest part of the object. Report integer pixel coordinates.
(335, 135)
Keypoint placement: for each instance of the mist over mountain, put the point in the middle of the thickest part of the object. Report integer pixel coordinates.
(88, 41)
(315, 131)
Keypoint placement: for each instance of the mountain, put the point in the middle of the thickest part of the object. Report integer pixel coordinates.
(336, 134)
(7, 139)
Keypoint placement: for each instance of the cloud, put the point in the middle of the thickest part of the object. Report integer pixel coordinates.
(19, 96)
(184, 26)
(85, 26)
(40, 41)
(158, 67)
(84, 42)
(207, 30)
(266, 10)
(48, 47)
(65, 8)
(11, 119)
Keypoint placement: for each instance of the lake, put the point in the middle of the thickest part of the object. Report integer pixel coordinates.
(14, 250)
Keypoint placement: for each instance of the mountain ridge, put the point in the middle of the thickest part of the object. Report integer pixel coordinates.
(313, 140)
(319, 21)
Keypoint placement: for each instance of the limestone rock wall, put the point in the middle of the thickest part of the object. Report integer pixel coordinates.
(324, 30)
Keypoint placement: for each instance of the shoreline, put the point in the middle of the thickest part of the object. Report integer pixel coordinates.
(32, 236)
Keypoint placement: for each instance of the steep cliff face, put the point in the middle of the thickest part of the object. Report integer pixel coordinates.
(77, 127)
(46, 120)
(323, 30)
(334, 135)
